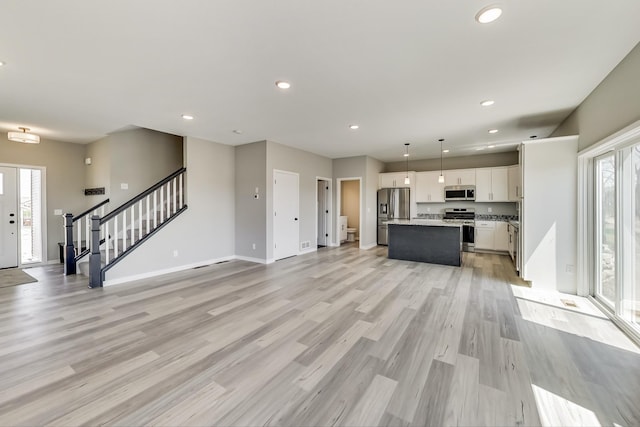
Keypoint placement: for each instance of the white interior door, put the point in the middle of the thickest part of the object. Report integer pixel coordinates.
(8, 218)
(286, 222)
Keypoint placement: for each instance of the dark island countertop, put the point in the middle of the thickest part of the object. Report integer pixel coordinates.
(431, 241)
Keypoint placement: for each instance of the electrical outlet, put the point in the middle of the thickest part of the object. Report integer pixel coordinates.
(569, 268)
(57, 211)
(428, 209)
(254, 246)
(489, 210)
(175, 252)
(124, 186)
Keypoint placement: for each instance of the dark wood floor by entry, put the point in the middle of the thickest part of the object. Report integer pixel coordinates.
(337, 337)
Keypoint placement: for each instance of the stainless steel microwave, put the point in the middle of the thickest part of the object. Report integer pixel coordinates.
(459, 192)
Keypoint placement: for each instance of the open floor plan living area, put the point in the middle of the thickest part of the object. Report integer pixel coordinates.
(345, 213)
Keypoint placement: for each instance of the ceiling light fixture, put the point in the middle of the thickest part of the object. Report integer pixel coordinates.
(487, 102)
(445, 151)
(24, 136)
(283, 85)
(491, 146)
(488, 14)
(354, 127)
(237, 131)
(1, 63)
(493, 130)
(441, 177)
(407, 181)
(187, 117)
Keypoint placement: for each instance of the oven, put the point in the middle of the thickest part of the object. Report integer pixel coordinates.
(468, 238)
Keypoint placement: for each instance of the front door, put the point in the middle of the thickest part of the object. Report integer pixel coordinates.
(285, 214)
(8, 217)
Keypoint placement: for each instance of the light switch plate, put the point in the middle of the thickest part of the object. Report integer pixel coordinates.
(124, 186)
(57, 211)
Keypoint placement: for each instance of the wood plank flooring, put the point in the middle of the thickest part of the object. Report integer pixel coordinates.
(337, 337)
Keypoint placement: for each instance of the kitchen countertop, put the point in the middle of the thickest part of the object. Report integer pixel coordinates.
(427, 222)
(515, 223)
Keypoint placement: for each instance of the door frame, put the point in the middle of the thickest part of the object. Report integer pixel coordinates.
(338, 209)
(328, 201)
(43, 216)
(273, 210)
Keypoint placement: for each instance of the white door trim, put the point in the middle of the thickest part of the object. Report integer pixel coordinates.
(338, 207)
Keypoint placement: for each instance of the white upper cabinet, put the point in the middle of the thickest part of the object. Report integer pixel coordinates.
(460, 177)
(395, 180)
(428, 189)
(492, 184)
(515, 183)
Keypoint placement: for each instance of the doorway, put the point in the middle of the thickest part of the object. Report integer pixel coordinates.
(22, 213)
(349, 199)
(323, 211)
(286, 224)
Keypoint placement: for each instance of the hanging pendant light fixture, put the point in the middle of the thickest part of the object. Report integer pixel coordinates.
(407, 181)
(24, 136)
(441, 177)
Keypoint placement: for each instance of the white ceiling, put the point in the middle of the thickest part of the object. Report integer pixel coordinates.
(405, 71)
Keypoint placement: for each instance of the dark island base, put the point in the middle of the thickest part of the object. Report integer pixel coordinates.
(423, 243)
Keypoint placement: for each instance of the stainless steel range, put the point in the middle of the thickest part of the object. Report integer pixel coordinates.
(466, 217)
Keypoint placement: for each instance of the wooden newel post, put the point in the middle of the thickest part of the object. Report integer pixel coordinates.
(69, 250)
(95, 267)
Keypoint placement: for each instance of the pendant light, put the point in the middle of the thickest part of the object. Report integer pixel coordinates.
(407, 181)
(24, 136)
(441, 177)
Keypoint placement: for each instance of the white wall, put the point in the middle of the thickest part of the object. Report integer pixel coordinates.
(548, 213)
(204, 233)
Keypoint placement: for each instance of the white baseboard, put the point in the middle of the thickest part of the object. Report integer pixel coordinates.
(308, 250)
(251, 259)
(164, 271)
(369, 246)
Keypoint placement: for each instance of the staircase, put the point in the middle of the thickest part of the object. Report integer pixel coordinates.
(115, 235)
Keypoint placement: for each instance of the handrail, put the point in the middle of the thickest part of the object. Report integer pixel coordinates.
(88, 211)
(140, 196)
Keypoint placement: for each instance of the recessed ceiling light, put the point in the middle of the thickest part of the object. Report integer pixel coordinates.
(479, 148)
(493, 130)
(237, 131)
(445, 151)
(491, 146)
(1, 63)
(354, 127)
(488, 14)
(283, 85)
(187, 117)
(487, 102)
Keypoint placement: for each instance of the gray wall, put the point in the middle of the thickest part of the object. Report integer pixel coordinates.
(465, 162)
(251, 221)
(308, 166)
(137, 157)
(204, 233)
(367, 169)
(613, 105)
(64, 163)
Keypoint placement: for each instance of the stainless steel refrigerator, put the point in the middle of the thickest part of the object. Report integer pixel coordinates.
(393, 204)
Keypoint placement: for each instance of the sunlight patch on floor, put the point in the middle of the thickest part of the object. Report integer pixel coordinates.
(556, 411)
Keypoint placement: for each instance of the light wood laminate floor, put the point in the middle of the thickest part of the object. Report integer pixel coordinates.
(337, 337)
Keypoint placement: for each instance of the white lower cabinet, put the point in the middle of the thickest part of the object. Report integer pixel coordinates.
(492, 236)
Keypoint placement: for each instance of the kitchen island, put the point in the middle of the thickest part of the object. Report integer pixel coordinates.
(432, 241)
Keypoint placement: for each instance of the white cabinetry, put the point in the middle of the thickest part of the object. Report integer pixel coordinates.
(428, 189)
(492, 236)
(395, 179)
(515, 183)
(343, 228)
(460, 177)
(492, 184)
